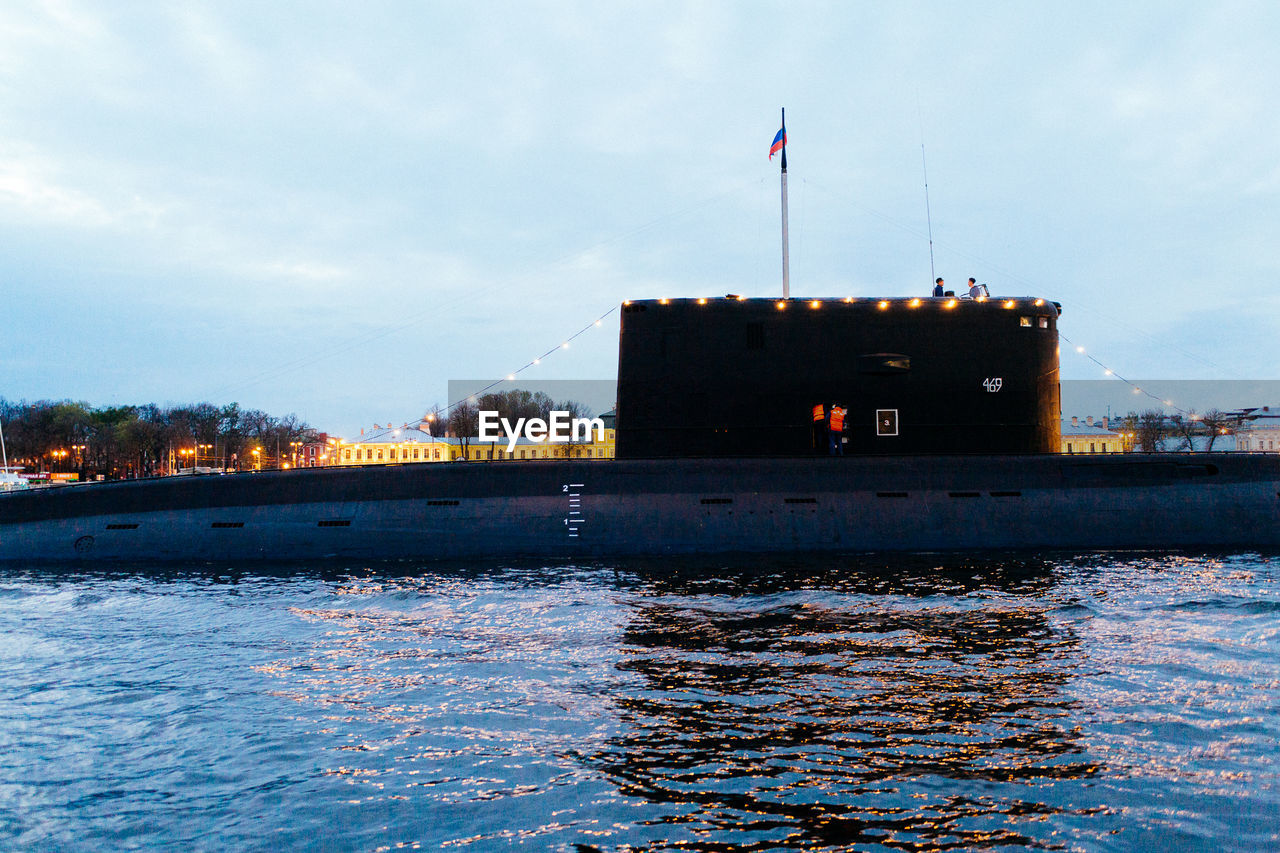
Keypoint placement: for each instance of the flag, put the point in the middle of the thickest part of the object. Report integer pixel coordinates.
(779, 142)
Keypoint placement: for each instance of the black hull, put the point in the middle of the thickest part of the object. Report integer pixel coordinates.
(567, 510)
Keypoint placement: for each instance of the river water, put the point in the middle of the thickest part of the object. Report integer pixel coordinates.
(1078, 702)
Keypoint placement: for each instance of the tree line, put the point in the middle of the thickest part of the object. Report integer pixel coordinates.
(1153, 430)
(118, 442)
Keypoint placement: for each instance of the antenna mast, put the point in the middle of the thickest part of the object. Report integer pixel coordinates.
(933, 275)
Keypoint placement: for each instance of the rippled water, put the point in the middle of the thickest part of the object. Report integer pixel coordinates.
(1094, 703)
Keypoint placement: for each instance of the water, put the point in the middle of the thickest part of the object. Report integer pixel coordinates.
(1105, 702)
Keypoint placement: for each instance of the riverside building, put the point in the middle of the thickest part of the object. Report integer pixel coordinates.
(1260, 431)
(387, 445)
(1090, 437)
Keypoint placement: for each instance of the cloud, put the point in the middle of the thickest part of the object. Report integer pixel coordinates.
(29, 191)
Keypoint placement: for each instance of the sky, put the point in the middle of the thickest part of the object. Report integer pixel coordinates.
(332, 209)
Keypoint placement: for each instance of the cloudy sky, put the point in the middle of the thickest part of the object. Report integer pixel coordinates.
(332, 209)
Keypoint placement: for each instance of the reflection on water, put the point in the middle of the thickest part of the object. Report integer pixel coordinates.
(877, 711)
(926, 703)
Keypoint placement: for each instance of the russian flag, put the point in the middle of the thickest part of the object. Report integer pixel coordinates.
(779, 142)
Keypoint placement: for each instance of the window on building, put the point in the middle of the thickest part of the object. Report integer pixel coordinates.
(1091, 450)
(379, 455)
(1068, 447)
(391, 454)
(348, 453)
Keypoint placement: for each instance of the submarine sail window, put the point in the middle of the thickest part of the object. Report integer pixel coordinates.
(1025, 322)
(886, 422)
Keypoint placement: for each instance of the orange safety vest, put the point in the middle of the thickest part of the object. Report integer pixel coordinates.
(837, 419)
(817, 413)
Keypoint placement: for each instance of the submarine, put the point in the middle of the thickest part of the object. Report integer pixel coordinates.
(950, 443)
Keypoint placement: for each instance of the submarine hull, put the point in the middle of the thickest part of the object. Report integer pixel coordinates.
(567, 510)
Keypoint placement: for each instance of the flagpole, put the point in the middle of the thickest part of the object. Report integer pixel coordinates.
(786, 252)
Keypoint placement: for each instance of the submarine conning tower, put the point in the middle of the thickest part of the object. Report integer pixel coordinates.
(734, 376)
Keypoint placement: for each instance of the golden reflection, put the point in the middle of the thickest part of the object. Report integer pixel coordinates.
(803, 719)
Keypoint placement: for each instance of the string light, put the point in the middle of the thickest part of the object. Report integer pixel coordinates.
(510, 377)
(1107, 371)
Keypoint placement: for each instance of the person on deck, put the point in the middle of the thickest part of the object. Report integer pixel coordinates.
(976, 290)
(819, 424)
(835, 430)
(938, 288)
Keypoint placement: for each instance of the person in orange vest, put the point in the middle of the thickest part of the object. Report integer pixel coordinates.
(835, 430)
(819, 425)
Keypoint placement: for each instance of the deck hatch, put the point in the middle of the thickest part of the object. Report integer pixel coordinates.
(122, 527)
(1013, 494)
(442, 503)
(227, 525)
(334, 522)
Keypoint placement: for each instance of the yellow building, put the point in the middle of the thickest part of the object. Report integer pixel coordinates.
(408, 444)
(1090, 437)
(394, 446)
(594, 447)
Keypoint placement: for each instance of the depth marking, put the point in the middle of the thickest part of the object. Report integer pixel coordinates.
(573, 518)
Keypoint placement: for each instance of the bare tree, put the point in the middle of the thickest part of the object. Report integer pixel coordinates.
(464, 423)
(1184, 429)
(1216, 423)
(1151, 430)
